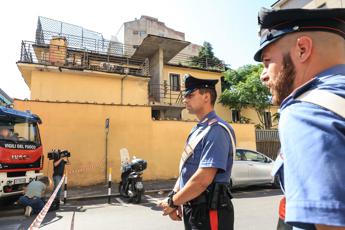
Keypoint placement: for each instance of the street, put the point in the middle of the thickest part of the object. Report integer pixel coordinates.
(255, 208)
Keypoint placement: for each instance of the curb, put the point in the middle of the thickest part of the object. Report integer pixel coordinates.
(113, 195)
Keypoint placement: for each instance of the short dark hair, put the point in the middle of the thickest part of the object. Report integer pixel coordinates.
(212, 93)
(44, 180)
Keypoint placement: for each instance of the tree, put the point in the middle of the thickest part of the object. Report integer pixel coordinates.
(246, 90)
(206, 58)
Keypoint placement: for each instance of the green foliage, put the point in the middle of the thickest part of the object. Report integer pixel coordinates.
(246, 90)
(276, 117)
(244, 120)
(206, 58)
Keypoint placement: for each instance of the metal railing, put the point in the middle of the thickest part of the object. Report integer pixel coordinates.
(183, 59)
(77, 58)
(267, 142)
(267, 135)
(165, 94)
(91, 44)
(79, 37)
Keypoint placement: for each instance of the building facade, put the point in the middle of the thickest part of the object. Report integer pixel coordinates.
(78, 80)
(308, 4)
(5, 99)
(134, 32)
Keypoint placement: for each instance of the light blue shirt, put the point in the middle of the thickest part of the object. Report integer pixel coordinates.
(35, 189)
(313, 144)
(213, 151)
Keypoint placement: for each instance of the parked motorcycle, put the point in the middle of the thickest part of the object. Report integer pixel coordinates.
(131, 185)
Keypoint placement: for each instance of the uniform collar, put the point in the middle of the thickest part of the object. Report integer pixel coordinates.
(208, 117)
(312, 83)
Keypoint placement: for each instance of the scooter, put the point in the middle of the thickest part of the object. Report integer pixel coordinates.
(131, 185)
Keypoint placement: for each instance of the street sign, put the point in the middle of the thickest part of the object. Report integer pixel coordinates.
(107, 123)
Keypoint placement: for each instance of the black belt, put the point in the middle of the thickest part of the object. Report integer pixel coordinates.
(201, 199)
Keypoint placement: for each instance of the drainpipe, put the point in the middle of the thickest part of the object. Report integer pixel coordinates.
(126, 70)
(122, 87)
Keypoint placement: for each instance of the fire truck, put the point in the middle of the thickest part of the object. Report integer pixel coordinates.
(21, 153)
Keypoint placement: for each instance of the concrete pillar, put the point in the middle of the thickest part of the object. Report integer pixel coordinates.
(156, 72)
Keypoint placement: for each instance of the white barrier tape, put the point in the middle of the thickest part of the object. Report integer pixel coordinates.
(39, 218)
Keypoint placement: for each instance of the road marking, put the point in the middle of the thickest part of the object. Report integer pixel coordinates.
(72, 222)
(151, 199)
(123, 203)
(120, 201)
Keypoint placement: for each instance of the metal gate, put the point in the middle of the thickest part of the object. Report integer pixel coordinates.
(267, 142)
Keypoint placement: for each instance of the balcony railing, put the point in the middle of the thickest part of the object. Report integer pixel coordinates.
(79, 37)
(59, 53)
(164, 94)
(183, 59)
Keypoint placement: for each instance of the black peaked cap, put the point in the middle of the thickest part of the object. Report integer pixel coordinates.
(193, 83)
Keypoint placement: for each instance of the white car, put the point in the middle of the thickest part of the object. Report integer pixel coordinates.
(252, 168)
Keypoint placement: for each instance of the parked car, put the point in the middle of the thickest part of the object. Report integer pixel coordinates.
(252, 168)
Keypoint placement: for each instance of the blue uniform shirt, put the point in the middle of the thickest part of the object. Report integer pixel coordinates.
(313, 143)
(213, 151)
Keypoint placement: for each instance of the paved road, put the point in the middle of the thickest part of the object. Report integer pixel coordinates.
(255, 208)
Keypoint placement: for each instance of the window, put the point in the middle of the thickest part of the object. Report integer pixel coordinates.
(20, 131)
(175, 82)
(142, 33)
(239, 156)
(222, 83)
(252, 156)
(156, 115)
(235, 115)
(268, 120)
(139, 33)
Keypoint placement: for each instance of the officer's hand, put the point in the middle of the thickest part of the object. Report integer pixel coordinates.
(176, 214)
(165, 207)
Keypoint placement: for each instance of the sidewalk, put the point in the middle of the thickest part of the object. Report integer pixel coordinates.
(101, 190)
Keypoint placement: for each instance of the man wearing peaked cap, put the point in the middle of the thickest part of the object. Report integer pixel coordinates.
(303, 53)
(192, 83)
(203, 186)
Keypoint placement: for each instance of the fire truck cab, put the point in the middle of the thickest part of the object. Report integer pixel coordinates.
(21, 153)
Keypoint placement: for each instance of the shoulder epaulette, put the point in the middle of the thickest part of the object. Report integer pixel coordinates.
(212, 121)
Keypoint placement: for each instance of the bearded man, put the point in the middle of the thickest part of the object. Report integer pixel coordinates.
(303, 53)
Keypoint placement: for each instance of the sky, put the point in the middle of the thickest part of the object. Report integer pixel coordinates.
(229, 25)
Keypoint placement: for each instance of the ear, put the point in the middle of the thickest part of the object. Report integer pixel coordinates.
(303, 48)
(207, 97)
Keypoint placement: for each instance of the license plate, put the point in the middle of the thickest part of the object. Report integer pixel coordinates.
(19, 181)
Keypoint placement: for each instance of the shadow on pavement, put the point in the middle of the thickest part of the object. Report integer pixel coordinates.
(17, 221)
(255, 191)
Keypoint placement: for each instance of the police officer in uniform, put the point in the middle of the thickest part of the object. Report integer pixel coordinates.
(303, 52)
(203, 188)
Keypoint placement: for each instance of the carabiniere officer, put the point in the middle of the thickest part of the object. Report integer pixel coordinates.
(203, 187)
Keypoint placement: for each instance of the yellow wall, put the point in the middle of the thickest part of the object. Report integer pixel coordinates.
(79, 128)
(88, 87)
(222, 111)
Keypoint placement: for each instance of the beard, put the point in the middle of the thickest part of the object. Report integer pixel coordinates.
(282, 87)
